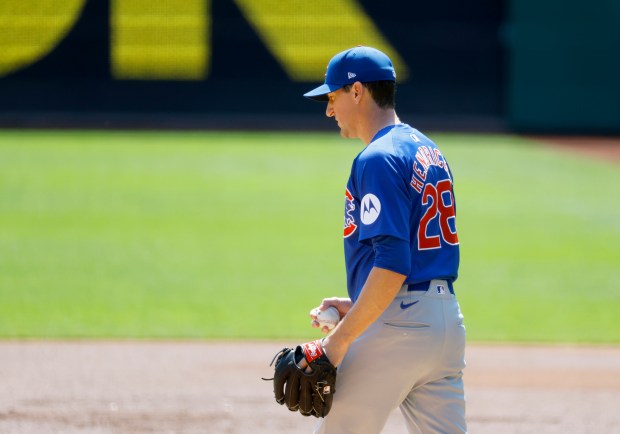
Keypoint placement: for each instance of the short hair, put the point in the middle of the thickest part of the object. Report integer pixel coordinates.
(383, 92)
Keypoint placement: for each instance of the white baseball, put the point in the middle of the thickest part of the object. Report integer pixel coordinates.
(328, 317)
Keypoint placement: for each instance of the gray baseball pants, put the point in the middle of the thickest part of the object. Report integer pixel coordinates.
(412, 357)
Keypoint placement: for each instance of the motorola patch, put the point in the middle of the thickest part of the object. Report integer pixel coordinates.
(370, 209)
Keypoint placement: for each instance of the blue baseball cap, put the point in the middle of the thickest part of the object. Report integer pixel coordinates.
(363, 64)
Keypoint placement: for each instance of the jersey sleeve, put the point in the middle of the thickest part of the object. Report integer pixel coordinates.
(385, 204)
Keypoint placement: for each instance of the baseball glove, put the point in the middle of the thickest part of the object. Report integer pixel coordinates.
(309, 391)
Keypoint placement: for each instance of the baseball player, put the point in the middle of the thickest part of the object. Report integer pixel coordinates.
(401, 339)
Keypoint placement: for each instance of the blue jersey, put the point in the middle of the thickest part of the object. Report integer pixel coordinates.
(401, 186)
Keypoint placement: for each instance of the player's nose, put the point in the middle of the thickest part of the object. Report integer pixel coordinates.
(329, 111)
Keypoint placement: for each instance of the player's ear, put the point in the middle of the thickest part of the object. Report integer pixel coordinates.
(357, 89)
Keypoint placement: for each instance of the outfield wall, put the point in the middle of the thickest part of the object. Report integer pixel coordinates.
(473, 64)
(564, 66)
(209, 59)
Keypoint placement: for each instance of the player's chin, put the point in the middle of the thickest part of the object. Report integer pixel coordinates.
(345, 133)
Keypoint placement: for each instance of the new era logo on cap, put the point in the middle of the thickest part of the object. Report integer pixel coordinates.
(351, 75)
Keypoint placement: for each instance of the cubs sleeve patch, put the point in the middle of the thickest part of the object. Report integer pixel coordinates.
(349, 216)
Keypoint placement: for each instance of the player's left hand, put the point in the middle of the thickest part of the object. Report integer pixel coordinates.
(305, 379)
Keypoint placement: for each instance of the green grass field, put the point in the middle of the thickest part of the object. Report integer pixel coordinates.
(222, 235)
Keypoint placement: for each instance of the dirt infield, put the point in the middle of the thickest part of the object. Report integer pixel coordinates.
(203, 387)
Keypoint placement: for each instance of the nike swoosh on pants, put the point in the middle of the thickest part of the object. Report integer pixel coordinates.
(404, 305)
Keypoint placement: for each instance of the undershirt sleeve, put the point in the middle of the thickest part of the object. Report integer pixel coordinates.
(392, 254)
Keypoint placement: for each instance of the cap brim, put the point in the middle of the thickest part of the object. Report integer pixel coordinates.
(320, 93)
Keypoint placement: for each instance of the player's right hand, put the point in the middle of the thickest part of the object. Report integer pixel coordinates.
(342, 304)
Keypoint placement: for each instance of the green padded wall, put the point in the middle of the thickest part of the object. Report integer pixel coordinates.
(563, 72)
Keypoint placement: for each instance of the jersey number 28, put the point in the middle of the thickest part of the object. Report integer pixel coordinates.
(440, 201)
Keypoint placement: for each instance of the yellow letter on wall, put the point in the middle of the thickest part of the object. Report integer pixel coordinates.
(303, 34)
(160, 39)
(30, 29)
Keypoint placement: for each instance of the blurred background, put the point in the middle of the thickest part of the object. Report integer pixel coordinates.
(161, 174)
(486, 65)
